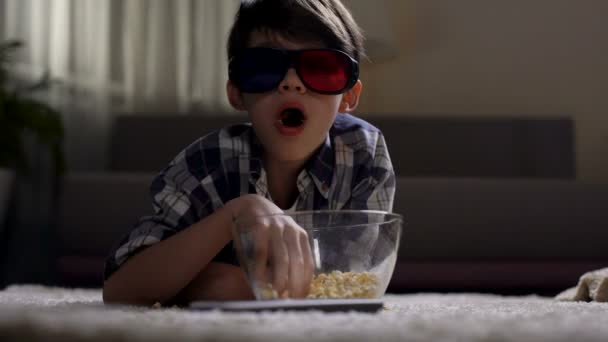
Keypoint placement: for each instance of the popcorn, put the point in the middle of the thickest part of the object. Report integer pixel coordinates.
(336, 284)
(265, 291)
(344, 285)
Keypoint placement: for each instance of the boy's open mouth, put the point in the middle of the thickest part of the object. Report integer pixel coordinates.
(292, 117)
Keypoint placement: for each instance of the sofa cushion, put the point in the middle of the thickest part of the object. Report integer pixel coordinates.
(420, 145)
(479, 146)
(502, 219)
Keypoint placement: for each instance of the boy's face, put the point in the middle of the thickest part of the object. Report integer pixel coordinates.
(291, 121)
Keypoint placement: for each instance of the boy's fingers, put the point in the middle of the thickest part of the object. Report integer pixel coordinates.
(260, 254)
(309, 268)
(296, 263)
(280, 260)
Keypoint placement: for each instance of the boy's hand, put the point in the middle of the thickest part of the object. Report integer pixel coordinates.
(280, 250)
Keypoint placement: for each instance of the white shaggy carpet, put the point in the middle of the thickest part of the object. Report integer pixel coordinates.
(40, 313)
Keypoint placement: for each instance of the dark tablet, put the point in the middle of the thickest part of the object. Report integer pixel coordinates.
(328, 305)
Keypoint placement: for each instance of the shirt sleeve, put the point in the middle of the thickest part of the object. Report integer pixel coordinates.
(376, 189)
(180, 198)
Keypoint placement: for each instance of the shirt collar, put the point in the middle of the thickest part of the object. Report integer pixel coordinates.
(321, 166)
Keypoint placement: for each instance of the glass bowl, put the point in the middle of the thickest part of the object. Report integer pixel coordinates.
(353, 252)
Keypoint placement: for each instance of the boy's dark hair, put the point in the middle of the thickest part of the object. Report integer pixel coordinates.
(301, 20)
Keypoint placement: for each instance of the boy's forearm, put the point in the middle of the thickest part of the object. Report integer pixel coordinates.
(161, 271)
(218, 281)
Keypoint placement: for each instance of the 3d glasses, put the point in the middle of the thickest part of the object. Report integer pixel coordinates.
(325, 71)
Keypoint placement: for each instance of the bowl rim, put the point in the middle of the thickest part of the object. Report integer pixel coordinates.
(393, 216)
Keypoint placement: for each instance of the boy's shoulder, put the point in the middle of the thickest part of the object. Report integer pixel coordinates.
(346, 124)
(355, 133)
(230, 141)
(240, 131)
(219, 146)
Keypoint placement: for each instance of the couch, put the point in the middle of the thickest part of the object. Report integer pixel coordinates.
(490, 204)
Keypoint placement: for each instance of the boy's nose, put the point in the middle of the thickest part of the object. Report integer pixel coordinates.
(291, 82)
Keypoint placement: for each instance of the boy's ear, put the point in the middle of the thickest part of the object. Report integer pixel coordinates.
(234, 96)
(350, 99)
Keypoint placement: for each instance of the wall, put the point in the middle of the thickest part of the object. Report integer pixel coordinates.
(520, 57)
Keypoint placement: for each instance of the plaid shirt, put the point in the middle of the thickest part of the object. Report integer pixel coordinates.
(350, 170)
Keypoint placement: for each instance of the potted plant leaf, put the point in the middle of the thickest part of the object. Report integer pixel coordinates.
(22, 116)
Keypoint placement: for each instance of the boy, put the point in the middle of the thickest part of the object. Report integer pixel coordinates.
(293, 67)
